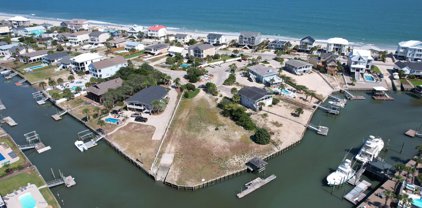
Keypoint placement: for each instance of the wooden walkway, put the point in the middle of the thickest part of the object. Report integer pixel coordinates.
(254, 185)
(357, 194)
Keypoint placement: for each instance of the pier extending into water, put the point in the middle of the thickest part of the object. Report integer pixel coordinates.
(34, 142)
(254, 185)
(357, 194)
(9, 120)
(39, 97)
(350, 96)
(332, 110)
(321, 130)
(68, 181)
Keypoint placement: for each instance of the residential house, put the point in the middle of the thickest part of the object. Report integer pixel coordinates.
(359, 61)
(33, 56)
(216, 39)
(156, 49)
(32, 31)
(76, 24)
(107, 67)
(409, 68)
(298, 67)
(182, 38)
(409, 50)
(306, 43)
(82, 62)
(4, 30)
(134, 30)
(201, 50)
(144, 99)
(250, 39)
(117, 42)
(14, 48)
(254, 97)
(265, 75)
(157, 31)
(96, 92)
(96, 38)
(277, 45)
(337, 45)
(78, 38)
(54, 58)
(173, 50)
(19, 21)
(129, 45)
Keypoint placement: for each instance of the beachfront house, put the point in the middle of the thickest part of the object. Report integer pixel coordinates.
(359, 61)
(337, 45)
(216, 39)
(298, 67)
(96, 92)
(82, 62)
(182, 38)
(249, 39)
(157, 31)
(173, 50)
(78, 38)
(107, 67)
(135, 30)
(19, 21)
(144, 99)
(156, 49)
(33, 56)
(117, 42)
(201, 50)
(75, 25)
(254, 97)
(306, 43)
(409, 68)
(265, 75)
(96, 38)
(14, 49)
(54, 58)
(409, 50)
(277, 45)
(4, 30)
(30, 31)
(129, 46)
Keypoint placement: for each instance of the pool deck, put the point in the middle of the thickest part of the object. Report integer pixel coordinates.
(12, 199)
(5, 150)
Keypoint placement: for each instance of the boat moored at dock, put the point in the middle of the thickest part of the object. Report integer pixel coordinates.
(343, 173)
(370, 149)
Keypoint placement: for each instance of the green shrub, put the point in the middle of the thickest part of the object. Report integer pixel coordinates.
(261, 136)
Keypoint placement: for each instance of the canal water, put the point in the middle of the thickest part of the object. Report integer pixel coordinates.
(106, 179)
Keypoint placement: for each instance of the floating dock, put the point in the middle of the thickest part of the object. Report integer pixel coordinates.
(10, 76)
(10, 121)
(68, 181)
(39, 97)
(321, 130)
(350, 96)
(413, 133)
(58, 116)
(357, 194)
(254, 185)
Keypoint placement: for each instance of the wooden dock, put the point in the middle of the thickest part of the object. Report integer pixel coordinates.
(413, 133)
(384, 98)
(254, 185)
(10, 121)
(357, 194)
(321, 130)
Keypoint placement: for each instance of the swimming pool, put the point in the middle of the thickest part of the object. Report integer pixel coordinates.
(2, 157)
(369, 78)
(417, 202)
(287, 92)
(184, 65)
(27, 201)
(29, 69)
(112, 120)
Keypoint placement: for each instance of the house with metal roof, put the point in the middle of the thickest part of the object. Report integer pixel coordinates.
(306, 43)
(298, 67)
(359, 61)
(157, 31)
(409, 68)
(75, 24)
(409, 50)
(130, 45)
(216, 39)
(265, 75)
(277, 44)
(82, 62)
(156, 49)
(107, 67)
(201, 50)
(249, 39)
(337, 45)
(14, 48)
(254, 97)
(144, 99)
(33, 56)
(97, 37)
(96, 92)
(182, 38)
(54, 58)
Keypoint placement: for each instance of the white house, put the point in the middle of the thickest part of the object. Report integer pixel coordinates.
(409, 50)
(96, 38)
(157, 31)
(265, 75)
(298, 67)
(78, 38)
(14, 48)
(277, 44)
(108, 67)
(337, 45)
(157, 49)
(173, 50)
(129, 45)
(82, 62)
(359, 61)
(182, 38)
(216, 39)
(4, 30)
(134, 30)
(30, 31)
(249, 39)
(19, 21)
(76, 24)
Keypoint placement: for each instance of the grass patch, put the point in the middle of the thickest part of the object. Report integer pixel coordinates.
(12, 183)
(17, 165)
(375, 69)
(189, 94)
(133, 55)
(38, 75)
(416, 82)
(48, 195)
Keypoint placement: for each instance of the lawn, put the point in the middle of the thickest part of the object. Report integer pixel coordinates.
(133, 55)
(416, 82)
(375, 69)
(19, 164)
(40, 74)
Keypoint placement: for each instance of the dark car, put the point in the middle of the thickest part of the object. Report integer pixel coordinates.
(134, 115)
(100, 130)
(141, 119)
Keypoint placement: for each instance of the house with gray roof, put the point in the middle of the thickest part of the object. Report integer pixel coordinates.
(14, 48)
(144, 99)
(250, 39)
(54, 58)
(182, 38)
(265, 75)
(156, 49)
(216, 39)
(117, 42)
(409, 68)
(277, 44)
(201, 50)
(96, 92)
(107, 67)
(306, 43)
(254, 97)
(33, 56)
(298, 67)
(97, 37)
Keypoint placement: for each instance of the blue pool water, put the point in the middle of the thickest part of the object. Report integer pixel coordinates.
(417, 202)
(29, 69)
(2, 157)
(185, 65)
(27, 201)
(369, 78)
(112, 120)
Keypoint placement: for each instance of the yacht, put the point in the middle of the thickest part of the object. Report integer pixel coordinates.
(343, 173)
(80, 145)
(370, 149)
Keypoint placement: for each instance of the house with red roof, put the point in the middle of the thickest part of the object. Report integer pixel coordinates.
(157, 31)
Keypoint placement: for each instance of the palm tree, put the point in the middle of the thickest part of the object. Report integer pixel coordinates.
(70, 78)
(298, 111)
(52, 83)
(388, 195)
(156, 106)
(419, 148)
(60, 81)
(101, 123)
(85, 111)
(177, 82)
(42, 85)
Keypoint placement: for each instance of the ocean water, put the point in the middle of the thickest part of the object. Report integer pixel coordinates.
(380, 22)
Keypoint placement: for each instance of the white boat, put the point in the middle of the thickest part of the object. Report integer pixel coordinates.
(5, 72)
(80, 145)
(370, 149)
(343, 173)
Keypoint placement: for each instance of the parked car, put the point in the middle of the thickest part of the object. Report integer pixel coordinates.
(141, 119)
(134, 115)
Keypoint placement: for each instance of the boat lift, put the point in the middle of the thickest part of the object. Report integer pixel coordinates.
(34, 142)
(87, 140)
(331, 110)
(68, 181)
(39, 97)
